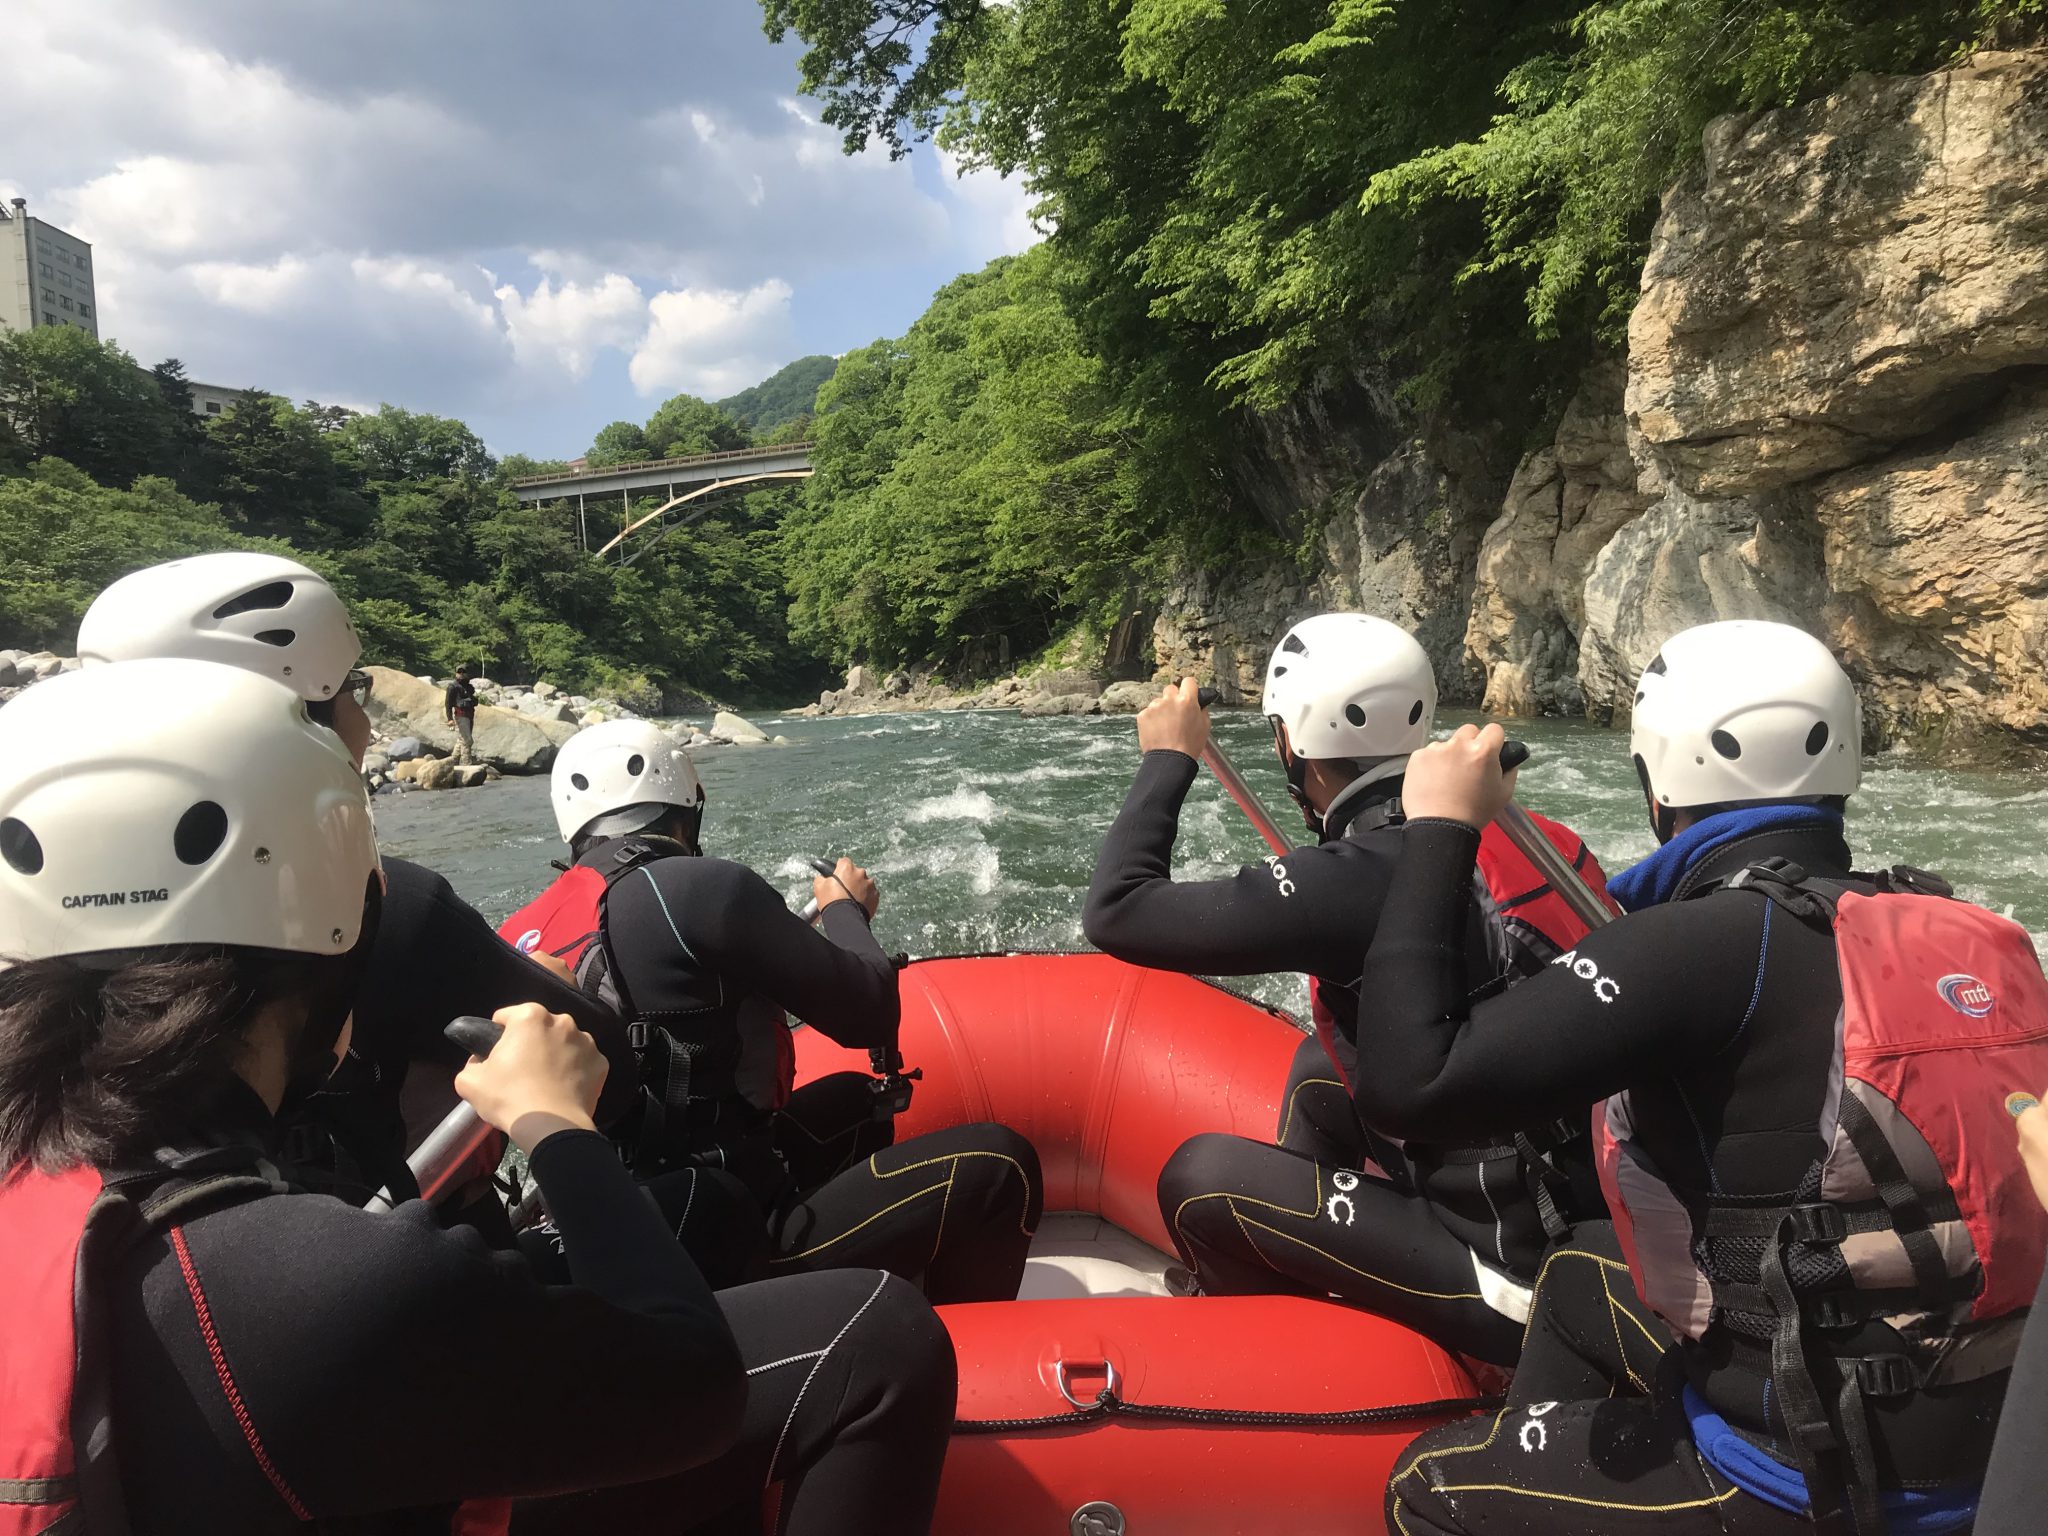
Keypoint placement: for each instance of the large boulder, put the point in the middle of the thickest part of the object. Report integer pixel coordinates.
(1127, 698)
(1040, 705)
(734, 731)
(404, 749)
(437, 773)
(9, 660)
(1938, 581)
(407, 706)
(1836, 278)
(1686, 562)
(557, 731)
(1563, 506)
(859, 681)
(1065, 680)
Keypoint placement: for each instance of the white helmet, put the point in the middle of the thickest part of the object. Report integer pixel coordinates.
(1350, 685)
(1741, 711)
(262, 613)
(176, 802)
(619, 764)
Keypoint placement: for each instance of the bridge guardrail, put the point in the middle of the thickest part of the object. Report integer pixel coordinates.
(772, 451)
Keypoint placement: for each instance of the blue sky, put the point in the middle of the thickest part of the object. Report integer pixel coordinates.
(539, 217)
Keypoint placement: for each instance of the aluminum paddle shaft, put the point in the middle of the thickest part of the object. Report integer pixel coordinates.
(1255, 812)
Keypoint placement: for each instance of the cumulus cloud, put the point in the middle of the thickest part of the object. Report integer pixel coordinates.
(533, 224)
(565, 323)
(713, 342)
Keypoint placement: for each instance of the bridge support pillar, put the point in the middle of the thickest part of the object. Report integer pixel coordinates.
(582, 525)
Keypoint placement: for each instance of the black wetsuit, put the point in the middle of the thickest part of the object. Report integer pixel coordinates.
(1717, 1015)
(1302, 1216)
(435, 957)
(294, 1358)
(696, 941)
(2016, 1486)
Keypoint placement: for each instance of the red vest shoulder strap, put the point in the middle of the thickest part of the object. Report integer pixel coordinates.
(44, 1217)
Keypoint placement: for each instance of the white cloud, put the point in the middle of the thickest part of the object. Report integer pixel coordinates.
(564, 323)
(308, 198)
(713, 342)
(995, 211)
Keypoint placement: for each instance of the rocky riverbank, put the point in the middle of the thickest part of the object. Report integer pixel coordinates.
(1058, 691)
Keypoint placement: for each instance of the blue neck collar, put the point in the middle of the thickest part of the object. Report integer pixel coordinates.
(1656, 878)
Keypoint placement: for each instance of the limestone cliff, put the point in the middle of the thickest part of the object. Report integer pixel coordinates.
(1833, 411)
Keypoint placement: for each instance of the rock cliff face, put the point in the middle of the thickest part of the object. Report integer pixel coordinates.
(1833, 411)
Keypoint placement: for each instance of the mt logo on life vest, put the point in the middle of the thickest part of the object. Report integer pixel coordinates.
(1966, 994)
(527, 942)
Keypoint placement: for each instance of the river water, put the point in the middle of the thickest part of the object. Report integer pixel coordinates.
(982, 828)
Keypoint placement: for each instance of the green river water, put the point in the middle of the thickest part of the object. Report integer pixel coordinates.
(982, 828)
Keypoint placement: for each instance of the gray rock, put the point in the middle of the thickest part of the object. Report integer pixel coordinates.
(1041, 705)
(896, 684)
(858, 680)
(402, 705)
(392, 787)
(730, 728)
(404, 749)
(545, 690)
(1838, 277)
(375, 763)
(69, 664)
(1127, 698)
(8, 661)
(1066, 680)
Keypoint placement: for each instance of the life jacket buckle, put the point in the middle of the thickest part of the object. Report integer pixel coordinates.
(1885, 1375)
(636, 1035)
(1818, 1224)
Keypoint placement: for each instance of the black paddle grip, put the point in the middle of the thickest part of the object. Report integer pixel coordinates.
(473, 1034)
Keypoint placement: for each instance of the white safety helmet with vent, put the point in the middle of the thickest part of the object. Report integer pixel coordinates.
(1742, 711)
(176, 802)
(262, 613)
(616, 766)
(1353, 686)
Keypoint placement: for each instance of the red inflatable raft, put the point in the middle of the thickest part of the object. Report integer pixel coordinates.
(1108, 1069)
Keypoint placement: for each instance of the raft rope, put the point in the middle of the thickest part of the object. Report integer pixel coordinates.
(1108, 1404)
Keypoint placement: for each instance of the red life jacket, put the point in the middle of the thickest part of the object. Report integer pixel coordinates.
(1920, 1216)
(60, 1232)
(567, 920)
(1528, 923)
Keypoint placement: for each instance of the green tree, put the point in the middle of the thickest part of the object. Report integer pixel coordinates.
(971, 481)
(621, 442)
(67, 537)
(683, 424)
(65, 395)
(286, 472)
(398, 445)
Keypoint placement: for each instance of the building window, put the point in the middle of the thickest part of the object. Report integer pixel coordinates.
(48, 270)
(78, 261)
(213, 407)
(63, 303)
(63, 279)
(49, 296)
(85, 311)
(48, 318)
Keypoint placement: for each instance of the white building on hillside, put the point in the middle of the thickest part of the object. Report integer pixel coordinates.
(45, 275)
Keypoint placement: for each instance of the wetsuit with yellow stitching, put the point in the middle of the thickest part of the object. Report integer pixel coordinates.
(704, 939)
(1444, 1242)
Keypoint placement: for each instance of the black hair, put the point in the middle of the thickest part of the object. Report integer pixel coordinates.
(101, 1064)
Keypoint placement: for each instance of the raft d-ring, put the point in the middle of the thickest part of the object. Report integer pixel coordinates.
(1059, 1377)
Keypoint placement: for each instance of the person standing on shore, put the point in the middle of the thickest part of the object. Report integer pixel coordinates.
(458, 708)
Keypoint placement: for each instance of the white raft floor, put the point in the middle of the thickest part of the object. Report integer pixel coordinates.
(1074, 1254)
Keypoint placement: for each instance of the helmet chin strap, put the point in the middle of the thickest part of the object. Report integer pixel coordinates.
(1297, 777)
(311, 1060)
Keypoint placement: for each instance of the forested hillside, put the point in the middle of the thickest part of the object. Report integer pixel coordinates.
(103, 469)
(790, 394)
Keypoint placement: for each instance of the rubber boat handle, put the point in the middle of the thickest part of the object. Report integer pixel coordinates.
(475, 1035)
